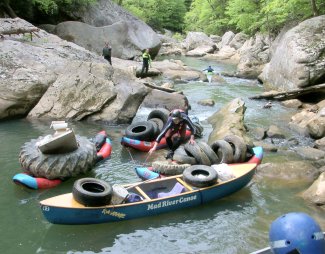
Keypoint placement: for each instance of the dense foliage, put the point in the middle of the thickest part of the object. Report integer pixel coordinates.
(209, 16)
(43, 11)
(159, 14)
(218, 16)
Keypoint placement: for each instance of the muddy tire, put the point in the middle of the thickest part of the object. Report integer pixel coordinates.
(223, 150)
(200, 176)
(195, 151)
(209, 152)
(182, 157)
(168, 168)
(54, 166)
(238, 146)
(92, 192)
(143, 131)
(158, 122)
(160, 113)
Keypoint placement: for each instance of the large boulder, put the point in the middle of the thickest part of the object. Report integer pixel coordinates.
(196, 39)
(254, 54)
(53, 78)
(229, 121)
(299, 59)
(127, 34)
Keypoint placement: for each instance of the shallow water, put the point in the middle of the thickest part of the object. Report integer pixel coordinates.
(236, 224)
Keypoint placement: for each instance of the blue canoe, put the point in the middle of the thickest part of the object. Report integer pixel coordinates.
(156, 196)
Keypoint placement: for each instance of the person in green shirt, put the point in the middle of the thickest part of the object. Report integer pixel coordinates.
(146, 58)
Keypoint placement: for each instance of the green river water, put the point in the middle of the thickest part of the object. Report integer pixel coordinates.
(236, 224)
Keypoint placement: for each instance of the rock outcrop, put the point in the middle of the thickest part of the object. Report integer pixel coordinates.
(52, 78)
(299, 59)
(107, 21)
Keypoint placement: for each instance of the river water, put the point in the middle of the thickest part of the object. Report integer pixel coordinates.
(236, 224)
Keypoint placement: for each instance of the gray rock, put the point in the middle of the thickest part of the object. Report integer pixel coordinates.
(229, 120)
(298, 60)
(320, 144)
(310, 153)
(196, 39)
(275, 132)
(132, 34)
(290, 171)
(316, 192)
(125, 43)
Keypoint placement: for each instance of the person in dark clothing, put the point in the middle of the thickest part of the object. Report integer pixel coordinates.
(146, 61)
(209, 71)
(107, 52)
(174, 131)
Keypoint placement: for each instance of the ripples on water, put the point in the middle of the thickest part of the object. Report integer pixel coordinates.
(236, 224)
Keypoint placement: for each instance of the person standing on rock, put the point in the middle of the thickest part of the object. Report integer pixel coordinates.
(107, 53)
(146, 61)
(174, 131)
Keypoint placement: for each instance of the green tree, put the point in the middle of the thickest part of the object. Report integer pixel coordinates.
(37, 10)
(208, 16)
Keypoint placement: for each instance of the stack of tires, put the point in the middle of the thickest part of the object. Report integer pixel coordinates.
(150, 129)
(231, 149)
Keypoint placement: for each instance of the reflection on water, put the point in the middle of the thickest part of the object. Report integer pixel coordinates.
(236, 224)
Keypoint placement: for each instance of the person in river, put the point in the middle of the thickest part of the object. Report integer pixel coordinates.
(209, 71)
(146, 61)
(174, 131)
(107, 52)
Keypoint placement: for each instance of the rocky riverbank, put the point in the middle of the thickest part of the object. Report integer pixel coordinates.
(44, 76)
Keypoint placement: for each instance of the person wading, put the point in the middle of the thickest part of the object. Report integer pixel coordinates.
(174, 131)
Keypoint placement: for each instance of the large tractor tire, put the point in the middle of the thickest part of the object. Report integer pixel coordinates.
(58, 166)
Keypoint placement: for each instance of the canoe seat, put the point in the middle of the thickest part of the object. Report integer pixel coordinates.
(177, 189)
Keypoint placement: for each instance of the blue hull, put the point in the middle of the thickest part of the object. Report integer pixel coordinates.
(64, 210)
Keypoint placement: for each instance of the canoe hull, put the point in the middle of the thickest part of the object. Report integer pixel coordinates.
(64, 209)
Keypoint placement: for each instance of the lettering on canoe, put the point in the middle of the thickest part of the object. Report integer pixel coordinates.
(171, 202)
(113, 213)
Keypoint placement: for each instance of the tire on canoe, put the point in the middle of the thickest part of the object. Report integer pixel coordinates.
(223, 150)
(195, 151)
(141, 131)
(62, 166)
(167, 168)
(239, 147)
(209, 152)
(200, 175)
(158, 122)
(160, 113)
(92, 192)
(181, 156)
